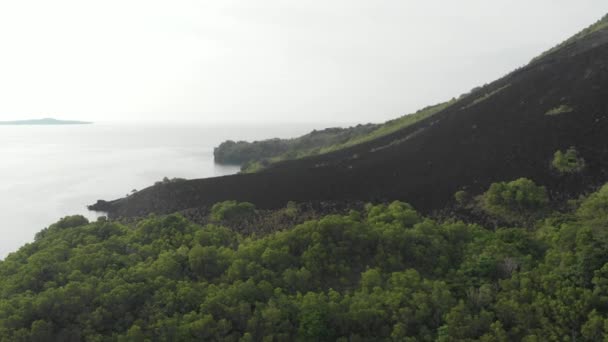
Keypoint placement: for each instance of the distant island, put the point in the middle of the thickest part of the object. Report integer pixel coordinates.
(45, 121)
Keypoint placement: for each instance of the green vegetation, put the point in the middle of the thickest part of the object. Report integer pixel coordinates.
(377, 132)
(559, 110)
(568, 162)
(167, 180)
(486, 96)
(520, 200)
(258, 155)
(254, 166)
(461, 197)
(242, 152)
(392, 126)
(232, 211)
(598, 25)
(384, 273)
(594, 209)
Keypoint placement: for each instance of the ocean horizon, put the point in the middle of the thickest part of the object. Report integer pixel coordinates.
(54, 171)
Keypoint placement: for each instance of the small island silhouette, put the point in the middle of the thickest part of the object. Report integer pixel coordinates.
(45, 121)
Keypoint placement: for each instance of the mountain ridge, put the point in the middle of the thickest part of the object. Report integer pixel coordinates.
(255, 156)
(499, 132)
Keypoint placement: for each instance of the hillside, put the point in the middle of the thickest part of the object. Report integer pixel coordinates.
(499, 132)
(381, 273)
(257, 161)
(506, 240)
(261, 152)
(259, 155)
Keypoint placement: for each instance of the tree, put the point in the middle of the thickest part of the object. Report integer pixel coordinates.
(515, 201)
(232, 211)
(391, 275)
(595, 206)
(568, 162)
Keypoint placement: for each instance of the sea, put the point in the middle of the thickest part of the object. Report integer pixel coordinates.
(48, 172)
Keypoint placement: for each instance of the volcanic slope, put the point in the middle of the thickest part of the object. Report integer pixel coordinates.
(502, 131)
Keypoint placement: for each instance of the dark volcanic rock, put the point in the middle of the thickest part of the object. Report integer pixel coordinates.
(479, 140)
(102, 205)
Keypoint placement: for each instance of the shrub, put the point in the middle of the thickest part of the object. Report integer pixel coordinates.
(232, 210)
(461, 197)
(291, 210)
(559, 110)
(72, 221)
(518, 200)
(568, 162)
(595, 207)
(166, 180)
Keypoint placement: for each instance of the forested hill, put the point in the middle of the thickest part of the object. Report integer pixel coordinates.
(520, 253)
(242, 152)
(384, 273)
(257, 155)
(507, 129)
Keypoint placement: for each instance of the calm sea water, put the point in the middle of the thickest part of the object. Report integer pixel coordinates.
(47, 172)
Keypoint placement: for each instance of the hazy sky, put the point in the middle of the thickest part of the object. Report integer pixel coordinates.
(244, 60)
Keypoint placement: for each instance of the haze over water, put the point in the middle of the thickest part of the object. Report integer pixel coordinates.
(49, 172)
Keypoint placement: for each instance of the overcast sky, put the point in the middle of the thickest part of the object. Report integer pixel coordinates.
(265, 60)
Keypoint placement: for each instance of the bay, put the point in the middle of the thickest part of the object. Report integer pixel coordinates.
(48, 172)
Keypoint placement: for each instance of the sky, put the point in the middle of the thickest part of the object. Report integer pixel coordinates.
(265, 60)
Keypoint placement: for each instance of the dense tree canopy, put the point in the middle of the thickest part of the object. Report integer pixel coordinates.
(384, 273)
(242, 152)
(232, 211)
(517, 201)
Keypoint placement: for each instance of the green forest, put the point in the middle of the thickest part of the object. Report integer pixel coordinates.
(384, 273)
(257, 155)
(261, 152)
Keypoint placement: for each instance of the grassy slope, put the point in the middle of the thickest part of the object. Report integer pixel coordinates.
(242, 152)
(383, 129)
(600, 24)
